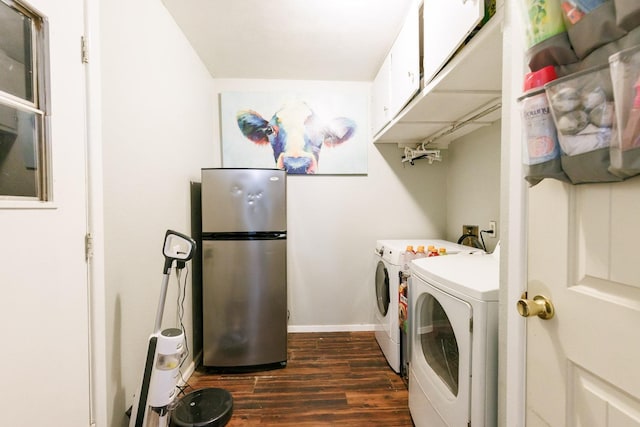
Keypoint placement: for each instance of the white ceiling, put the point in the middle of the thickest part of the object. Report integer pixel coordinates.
(291, 39)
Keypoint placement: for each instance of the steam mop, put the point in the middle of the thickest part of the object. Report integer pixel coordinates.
(165, 349)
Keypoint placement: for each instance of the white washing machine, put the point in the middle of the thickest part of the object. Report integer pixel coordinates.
(453, 372)
(388, 260)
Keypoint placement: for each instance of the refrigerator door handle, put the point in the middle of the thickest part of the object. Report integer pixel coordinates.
(259, 235)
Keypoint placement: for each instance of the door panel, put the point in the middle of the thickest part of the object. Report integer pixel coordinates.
(383, 297)
(381, 97)
(598, 403)
(244, 299)
(242, 200)
(405, 62)
(442, 324)
(44, 304)
(582, 364)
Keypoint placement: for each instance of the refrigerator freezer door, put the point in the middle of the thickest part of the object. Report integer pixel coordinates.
(243, 200)
(244, 302)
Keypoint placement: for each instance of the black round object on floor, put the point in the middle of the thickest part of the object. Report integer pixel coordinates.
(209, 407)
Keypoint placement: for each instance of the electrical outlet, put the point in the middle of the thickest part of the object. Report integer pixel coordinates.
(470, 229)
(493, 226)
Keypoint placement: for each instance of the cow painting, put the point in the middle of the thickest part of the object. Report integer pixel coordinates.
(296, 135)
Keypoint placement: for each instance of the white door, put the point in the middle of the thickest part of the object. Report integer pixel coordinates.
(583, 365)
(441, 357)
(44, 300)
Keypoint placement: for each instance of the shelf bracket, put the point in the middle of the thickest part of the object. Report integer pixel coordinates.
(413, 154)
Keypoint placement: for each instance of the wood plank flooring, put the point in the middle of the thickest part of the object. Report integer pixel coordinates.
(331, 379)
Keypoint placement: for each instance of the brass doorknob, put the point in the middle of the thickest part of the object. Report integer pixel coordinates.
(539, 306)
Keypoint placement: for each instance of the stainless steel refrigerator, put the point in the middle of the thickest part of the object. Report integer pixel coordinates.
(244, 267)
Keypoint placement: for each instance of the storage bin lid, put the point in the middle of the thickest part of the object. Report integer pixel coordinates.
(539, 78)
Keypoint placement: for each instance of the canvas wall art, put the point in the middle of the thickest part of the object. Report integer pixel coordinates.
(304, 134)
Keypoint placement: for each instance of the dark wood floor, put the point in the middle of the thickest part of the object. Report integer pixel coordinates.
(331, 379)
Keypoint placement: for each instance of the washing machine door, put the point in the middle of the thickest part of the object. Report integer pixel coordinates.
(442, 352)
(383, 297)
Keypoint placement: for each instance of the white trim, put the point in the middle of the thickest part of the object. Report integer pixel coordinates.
(26, 204)
(331, 328)
(20, 103)
(95, 219)
(513, 275)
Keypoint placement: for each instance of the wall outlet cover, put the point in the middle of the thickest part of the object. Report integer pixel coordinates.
(470, 229)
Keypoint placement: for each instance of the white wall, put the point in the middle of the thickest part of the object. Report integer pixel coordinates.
(334, 221)
(473, 183)
(157, 129)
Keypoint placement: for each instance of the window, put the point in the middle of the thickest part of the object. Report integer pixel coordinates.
(24, 139)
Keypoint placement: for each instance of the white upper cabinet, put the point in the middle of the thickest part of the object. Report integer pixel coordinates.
(398, 79)
(461, 90)
(447, 23)
(405, 62)
(381, 97)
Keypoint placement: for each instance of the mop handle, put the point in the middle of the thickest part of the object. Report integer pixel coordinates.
(163, 297)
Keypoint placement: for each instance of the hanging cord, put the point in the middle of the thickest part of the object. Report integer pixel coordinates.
(182, 293)
(472, 241)
(482, 238)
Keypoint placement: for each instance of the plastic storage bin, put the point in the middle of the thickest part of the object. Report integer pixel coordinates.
(540, 151)
(625, 148)
(583, 112)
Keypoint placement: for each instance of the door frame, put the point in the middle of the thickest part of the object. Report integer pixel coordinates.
(97, 338)
(512, 207)
(513, 203)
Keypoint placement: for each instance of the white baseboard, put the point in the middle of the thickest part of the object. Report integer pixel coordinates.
(331, 328)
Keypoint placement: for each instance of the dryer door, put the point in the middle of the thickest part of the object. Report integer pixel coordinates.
(442, 351)
(382, 289)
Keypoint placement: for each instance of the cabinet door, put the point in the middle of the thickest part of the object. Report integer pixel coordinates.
(405, 62)
(380, 96)
(447, 23)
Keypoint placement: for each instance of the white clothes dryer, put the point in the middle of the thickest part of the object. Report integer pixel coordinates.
(388, 270)
(453, 372)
